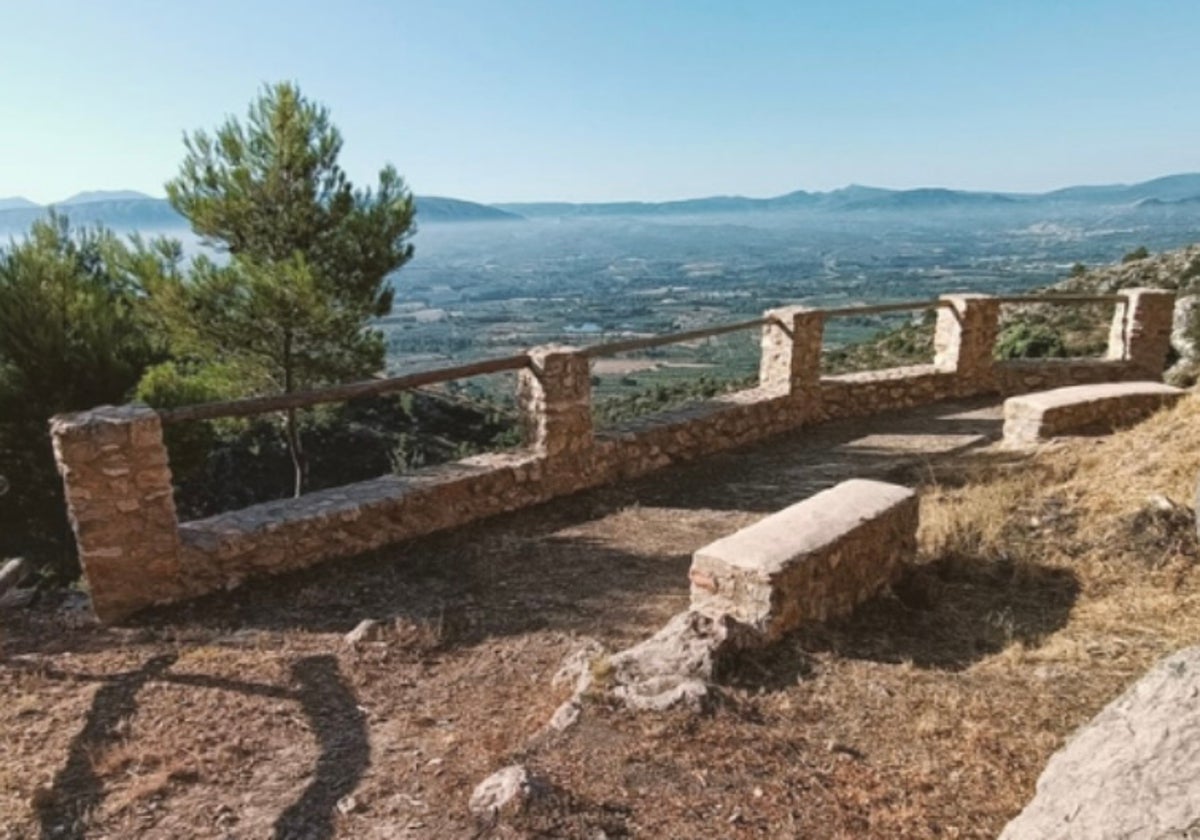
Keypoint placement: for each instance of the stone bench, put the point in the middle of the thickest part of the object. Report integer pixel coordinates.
(814, 560)
(1044, 414)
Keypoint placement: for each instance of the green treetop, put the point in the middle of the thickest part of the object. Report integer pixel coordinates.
(309, 254)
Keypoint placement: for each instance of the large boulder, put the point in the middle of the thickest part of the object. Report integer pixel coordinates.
(1132, 772)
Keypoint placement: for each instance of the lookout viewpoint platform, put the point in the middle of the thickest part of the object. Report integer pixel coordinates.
(248, 712)
(474, 623)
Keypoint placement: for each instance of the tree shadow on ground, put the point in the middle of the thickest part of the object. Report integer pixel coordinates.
(767, 476)
(945, 615)
(76, 789)
(328, 704)
(341, 731)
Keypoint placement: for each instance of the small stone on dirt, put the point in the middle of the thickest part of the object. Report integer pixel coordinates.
(347, 805)
(508, 789)
(565, 716)
(367, 630)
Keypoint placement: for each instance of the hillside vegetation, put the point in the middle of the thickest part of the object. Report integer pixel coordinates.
(1177, 270)
(1048, 331)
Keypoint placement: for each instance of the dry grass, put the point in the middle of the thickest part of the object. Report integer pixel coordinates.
(1113, 511)
(1047, 583)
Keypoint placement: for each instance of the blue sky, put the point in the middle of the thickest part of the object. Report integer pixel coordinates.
(617, 99)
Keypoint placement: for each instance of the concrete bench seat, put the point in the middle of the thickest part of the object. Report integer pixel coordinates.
(814, 560)
(1043, 414)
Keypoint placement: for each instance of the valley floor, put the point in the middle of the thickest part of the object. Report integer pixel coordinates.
(1047, 584)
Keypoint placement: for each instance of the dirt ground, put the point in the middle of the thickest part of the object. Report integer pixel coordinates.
(1045, 585)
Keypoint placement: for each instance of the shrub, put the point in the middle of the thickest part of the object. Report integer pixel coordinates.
(1030, 341)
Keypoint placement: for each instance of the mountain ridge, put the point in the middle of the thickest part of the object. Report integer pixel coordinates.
(1168, 189)
(97, 196)
(130, 209)
(125, 208)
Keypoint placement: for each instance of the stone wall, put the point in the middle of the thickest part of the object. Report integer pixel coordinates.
(136, 554)
(121, 506)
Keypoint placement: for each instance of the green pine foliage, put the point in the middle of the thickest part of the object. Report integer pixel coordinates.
(74, 333)
(308, 255)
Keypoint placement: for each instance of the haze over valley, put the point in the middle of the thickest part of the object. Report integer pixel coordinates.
(489, 280)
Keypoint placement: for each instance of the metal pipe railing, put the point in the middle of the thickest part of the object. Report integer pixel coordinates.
(337, 393)
(880, 308)
(614, 347)
(374, 387)
(1062, 299)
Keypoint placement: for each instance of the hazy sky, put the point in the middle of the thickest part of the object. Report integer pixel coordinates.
(496, 100)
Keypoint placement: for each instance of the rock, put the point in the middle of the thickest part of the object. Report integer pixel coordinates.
(367, 630)
(566, 715)
(13, 572)
(1196, 506)
(576, 668)
(674, 667)
(17, 598)
(1132, 771)
(347, 805)
(1181, 324)
(508, 789)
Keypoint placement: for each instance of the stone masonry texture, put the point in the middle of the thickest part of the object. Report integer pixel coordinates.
(815, 560)
(1044, 414)
(121, 506)
(1141, 331)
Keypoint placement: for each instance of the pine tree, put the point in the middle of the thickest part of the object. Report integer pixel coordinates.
(308, 253)
(74, 333)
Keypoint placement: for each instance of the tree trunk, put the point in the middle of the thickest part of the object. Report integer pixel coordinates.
(290, 431)
(299, 460)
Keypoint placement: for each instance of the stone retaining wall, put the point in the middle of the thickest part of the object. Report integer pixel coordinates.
(135, 553)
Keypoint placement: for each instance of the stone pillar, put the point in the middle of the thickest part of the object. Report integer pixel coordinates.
(791, 353)
(1141, 330)
(121, 505)
(965, 340)
(555, 398)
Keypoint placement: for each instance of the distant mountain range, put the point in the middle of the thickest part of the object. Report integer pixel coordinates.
(126, 209)
(1170, 189)
(431, 208)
